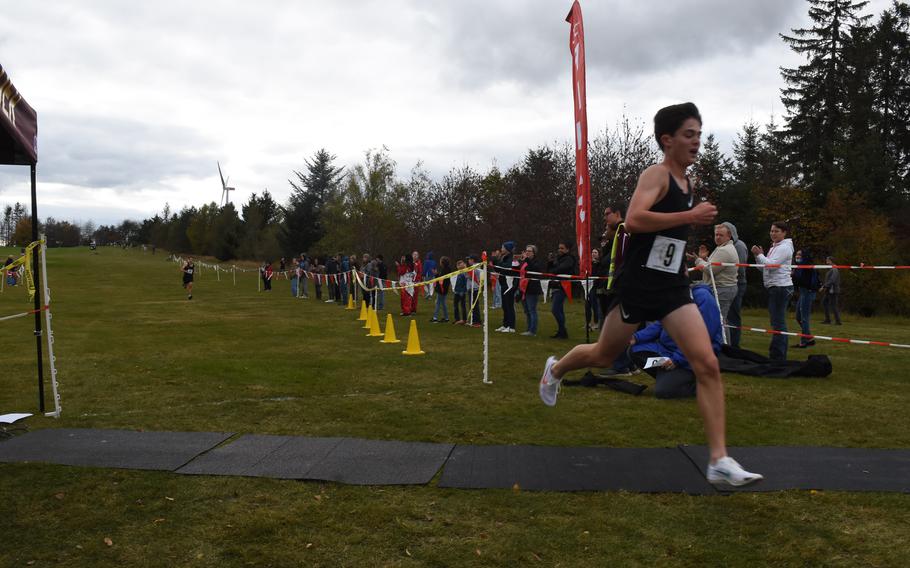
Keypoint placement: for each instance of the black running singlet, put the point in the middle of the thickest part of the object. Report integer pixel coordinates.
(656, 261)
(188, 272)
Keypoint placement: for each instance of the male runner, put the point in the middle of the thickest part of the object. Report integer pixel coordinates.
(652, 284)
(188, 269)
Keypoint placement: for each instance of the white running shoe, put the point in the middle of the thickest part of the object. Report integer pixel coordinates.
(500, 328)
(510, 330)
(549, 385)
(727, 472)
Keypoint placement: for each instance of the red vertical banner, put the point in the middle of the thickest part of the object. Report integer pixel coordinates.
(582, 182)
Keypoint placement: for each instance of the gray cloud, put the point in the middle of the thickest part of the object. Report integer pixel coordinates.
(527, 42)
(100, 151)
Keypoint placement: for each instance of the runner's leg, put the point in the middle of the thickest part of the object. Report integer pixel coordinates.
(614, 338)
(687, 328)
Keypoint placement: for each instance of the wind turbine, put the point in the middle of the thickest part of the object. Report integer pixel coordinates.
(225, 190)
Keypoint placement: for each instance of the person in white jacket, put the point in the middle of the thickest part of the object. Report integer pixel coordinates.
(778, 284)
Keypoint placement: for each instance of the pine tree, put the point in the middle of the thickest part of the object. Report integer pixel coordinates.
(225, 233)
(747, 154)
(773, 157)
(303, 225)
(891, 86)
(7, 229)
(815, 98)
(712, 171)
(711, 174)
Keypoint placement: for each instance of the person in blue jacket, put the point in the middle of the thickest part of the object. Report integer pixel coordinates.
(675, 379)
(429, 273)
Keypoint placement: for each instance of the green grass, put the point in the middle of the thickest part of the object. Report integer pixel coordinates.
(133, 353)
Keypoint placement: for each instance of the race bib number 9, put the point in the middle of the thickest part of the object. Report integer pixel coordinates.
(666, 254)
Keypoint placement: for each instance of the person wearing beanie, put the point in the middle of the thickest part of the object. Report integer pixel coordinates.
(724, 277)
(507, 266)
(735, 313)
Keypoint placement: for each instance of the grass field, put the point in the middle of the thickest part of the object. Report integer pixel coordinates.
(133, 353)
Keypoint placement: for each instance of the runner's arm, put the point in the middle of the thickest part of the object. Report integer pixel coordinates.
(652, 186)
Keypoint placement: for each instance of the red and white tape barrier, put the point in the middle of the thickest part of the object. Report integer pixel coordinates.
(825, 337)
(859, 266)
(23, 314)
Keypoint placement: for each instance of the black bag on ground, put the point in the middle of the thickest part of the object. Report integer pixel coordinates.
(745, 362)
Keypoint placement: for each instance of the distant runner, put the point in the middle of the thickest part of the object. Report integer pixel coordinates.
(188, 269)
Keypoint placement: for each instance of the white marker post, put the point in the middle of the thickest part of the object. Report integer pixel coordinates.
(486, 325)
(50, 332)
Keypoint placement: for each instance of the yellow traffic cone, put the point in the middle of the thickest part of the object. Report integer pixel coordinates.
(374, 325)
(363, 311)
(413, 341)
(390, 331)
(350, 305)
(366, 320)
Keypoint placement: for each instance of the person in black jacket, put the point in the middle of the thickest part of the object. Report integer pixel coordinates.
(442, 290)
(331, 268)
(564, 264)
(807, 283)
(505, 264)
(383, 272)
(613, 216)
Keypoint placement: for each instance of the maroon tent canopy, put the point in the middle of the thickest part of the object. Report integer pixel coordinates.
(19, 135)
(19, 146)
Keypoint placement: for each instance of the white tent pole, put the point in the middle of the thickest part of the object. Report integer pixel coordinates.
(50, 333)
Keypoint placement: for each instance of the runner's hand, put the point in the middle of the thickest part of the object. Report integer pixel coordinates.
(703, 213)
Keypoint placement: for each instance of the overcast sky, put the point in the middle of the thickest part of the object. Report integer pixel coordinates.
(137, 101)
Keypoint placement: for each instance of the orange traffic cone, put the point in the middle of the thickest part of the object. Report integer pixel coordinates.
(390, 331)
(413, 341)
(374, 325)
(350, 305)
(363, 311)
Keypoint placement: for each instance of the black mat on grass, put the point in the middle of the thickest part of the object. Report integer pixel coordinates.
(831, 469)
(254, 455)
(645, 470)
(127, 449)
(378, 462)
(345, 460)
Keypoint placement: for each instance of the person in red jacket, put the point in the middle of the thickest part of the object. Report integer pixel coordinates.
(405, 268)
(267, 276)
